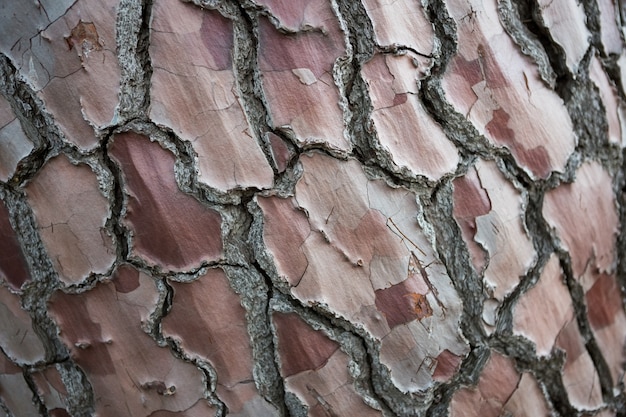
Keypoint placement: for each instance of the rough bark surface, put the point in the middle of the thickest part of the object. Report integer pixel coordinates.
(312, 208)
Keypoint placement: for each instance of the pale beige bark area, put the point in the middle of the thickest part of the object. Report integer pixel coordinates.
(312, 208)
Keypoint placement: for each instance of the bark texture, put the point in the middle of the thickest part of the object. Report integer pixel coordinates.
(312, 208)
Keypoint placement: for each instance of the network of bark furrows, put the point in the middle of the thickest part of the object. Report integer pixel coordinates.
(324, 207)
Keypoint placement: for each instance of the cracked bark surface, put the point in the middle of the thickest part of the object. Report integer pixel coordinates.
(312, 208)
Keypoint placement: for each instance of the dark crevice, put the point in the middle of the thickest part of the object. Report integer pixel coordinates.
(460, 131)
(593, 21)
(255, 290)
(280, 384)
(80, 401)
(454, 255)
(588, 116)
(614, 73)
(249, 284)
(167, 294)
(400, 49)
(114, 222)
(143, 46)
(529, 15)
(382, 389)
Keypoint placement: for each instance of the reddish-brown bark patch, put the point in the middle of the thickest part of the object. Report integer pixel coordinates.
(399, 99)
(82, 332)
(170, 228)
(491, 71)
(300, 347)
(280, 151)
(608, 321)
(368, 240)
(286, 229)
(13, 269)
(127, 279)
(216, 33)
(208, 319)
(284, 53)
(537, 158)
(603, 302)
(84, 37)
(569, 339)
(470, 198)
(401, 303)
(498, 126)
(470, 71)
(447, 365)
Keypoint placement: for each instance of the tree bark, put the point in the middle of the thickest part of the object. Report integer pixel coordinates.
(312, 207)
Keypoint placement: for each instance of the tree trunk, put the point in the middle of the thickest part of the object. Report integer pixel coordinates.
(312, 207)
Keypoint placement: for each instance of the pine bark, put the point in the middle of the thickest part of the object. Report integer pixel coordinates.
(312, 208)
